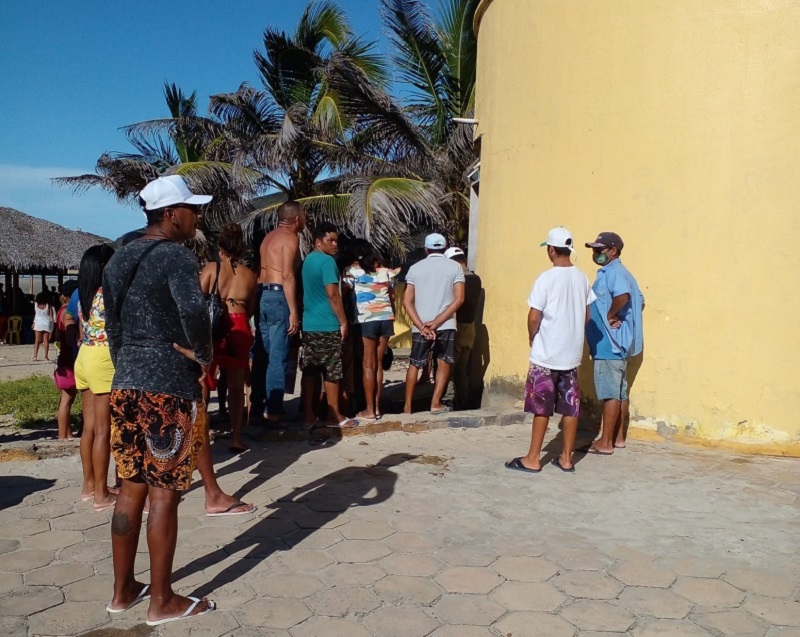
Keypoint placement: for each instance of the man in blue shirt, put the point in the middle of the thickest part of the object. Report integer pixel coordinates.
(614, 333)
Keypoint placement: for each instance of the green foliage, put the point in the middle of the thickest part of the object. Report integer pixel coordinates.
(32, 401)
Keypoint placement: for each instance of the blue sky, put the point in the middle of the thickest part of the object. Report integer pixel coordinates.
(74, 73)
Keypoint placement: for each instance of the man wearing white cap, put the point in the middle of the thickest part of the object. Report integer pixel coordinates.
(434, 292)
(559, 309)
(159, 335)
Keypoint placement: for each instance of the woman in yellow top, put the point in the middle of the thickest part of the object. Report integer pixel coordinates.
(94, 372)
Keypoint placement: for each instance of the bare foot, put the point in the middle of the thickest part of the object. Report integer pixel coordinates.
(132, 595)
(407, 410)
(597, 450)
(367, 416)
(620, 444)
(224, 503)
(176, 607)
(101, 503)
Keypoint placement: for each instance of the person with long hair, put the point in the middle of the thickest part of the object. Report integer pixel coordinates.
(94, 373)
(236, 285)
(372, 283)
(43, 320)
(64, 375)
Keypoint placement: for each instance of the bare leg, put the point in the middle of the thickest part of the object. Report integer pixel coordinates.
(162, 535)
(611, 410)
(411, 383)
(235, 390)
(537, 439)
(370, 376)
(87, 443)
(37, 338)
(442, 377)
(46, 338)
(308, 385)
(101, 450)
(569, 428)
(622, 425)
(382, 345)
(64, 408)
(332, 395)
(125, 526)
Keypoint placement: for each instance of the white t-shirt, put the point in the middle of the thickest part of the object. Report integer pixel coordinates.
(434, 279)
(561, 294)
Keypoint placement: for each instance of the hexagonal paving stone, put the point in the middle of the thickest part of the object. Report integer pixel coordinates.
(79, 521)
(29, 600)
(220, 536)
(46, 511)
(13, 627)
(655, 602)
(19, 529)
(463, 555)
(318, 521)
(216, 624)
(23, 560)
(411, 543)
(414, 564)
(286, 585)
(669, 628)
(475, 610)
(363, 530)
(8, 546)
(642, 573)
(300, 561)
(358, 551)
(694, 566)
(68, 619)
(265, 527)
(522, 623)
(400, 622)
(401, 590)
(469, 579)
(762, 583)
(86, 552)
(587, 584)
(233, 594)
(272, 613)
(594, 615)
(708, 592)
(776, 631)
(319, 539)
(736, 622)
(339, 602)
(244, 631)
(59, 574)
(329, 627)
(579, 559)
(455, 630)
(93, 589)
(530, 596)
(10, 582)
(525, 569)
(780, 612)
(351, 574)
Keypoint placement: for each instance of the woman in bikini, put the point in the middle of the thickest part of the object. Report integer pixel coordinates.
(237, 287)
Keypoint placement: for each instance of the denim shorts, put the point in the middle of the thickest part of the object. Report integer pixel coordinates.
(610, 379)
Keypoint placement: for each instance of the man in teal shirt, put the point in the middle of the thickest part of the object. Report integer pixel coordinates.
(324, 327)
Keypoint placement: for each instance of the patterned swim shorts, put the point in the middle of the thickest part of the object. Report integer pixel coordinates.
(443, 348)
(156, 437)
(322, 352)
(552, 390)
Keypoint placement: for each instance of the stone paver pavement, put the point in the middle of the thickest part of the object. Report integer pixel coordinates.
(415, 535)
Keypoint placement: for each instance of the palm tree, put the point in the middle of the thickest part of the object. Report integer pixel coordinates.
(184, 144)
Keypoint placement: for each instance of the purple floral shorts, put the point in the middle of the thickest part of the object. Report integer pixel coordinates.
(552, 390)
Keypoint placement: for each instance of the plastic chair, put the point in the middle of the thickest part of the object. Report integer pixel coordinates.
(14, 330)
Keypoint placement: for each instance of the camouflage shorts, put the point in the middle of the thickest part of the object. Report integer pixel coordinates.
(322, 353)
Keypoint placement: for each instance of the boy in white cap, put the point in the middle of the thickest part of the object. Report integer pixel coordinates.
(559, 309)
(434, 292)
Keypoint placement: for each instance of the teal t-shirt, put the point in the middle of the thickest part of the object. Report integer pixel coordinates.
(319, 270)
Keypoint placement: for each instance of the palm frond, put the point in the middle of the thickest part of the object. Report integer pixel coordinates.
(459, 47)
(322, 20)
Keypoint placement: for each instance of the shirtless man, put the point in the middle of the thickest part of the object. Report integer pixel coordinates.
(279, 316)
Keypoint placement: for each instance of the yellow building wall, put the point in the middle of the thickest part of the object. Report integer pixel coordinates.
(675, 123)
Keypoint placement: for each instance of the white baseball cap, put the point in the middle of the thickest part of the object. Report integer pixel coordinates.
(435, 241)
(559, 238)
(168, 191)
(453, 252)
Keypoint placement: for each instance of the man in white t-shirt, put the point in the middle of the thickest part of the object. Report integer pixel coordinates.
(559, 309)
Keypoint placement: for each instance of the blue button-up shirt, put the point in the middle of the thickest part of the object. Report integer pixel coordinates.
(625, 341)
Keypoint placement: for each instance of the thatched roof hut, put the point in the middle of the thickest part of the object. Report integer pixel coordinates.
(34, 246)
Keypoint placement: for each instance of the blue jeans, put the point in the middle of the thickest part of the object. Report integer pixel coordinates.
(274, 326)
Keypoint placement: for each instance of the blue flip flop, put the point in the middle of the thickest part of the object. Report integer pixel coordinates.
(516, 465)
(557, 462)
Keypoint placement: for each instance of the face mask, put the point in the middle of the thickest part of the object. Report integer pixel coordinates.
(600, 258)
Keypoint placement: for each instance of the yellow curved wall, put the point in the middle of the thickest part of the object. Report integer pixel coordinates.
(675, 123)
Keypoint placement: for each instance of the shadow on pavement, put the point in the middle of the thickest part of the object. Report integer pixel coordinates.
(310, 507)
(14, 489)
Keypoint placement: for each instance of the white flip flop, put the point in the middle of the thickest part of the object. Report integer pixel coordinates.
(186, 615)
(143, 595)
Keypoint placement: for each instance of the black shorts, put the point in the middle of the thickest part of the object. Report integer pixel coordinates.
(377, 329)
(442, 347)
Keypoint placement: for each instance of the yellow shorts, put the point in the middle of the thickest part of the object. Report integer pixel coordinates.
(94, 369)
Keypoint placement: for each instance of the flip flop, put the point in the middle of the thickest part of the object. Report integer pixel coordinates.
(104, 507)
(557, 462)
(595, 451)
(516, 465)
(231, 510)
(143, 595)
(186, 615)
(86, 498)
(443, 410)
(343, 424)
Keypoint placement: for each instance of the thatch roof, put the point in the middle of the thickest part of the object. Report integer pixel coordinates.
(30, 245)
